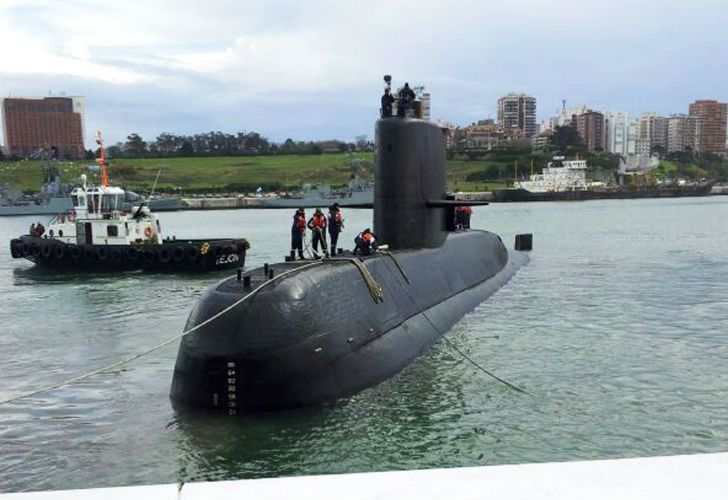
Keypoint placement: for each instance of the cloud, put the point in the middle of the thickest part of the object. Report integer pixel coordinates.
(313, 69)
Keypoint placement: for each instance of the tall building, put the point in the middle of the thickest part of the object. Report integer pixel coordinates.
(32, 124)
(518, 112)
(590, 126)
(620, 133)
(713, 116)
(651, 134)
(683, 133)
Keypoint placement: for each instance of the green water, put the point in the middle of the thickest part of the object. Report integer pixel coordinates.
(618, 329)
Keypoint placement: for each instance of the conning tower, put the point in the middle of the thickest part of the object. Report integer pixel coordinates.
(409, 177)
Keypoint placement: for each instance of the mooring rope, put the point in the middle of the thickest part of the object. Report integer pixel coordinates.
(375, 289)
(451, 344)
(394, 259)
(158, 346)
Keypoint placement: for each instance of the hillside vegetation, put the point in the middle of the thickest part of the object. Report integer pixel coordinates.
(225, 174)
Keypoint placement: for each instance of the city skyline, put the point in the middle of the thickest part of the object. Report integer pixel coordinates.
(314, 72)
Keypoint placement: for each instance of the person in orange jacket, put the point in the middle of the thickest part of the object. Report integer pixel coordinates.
(366, 243)
(317, 224)
(298, 232)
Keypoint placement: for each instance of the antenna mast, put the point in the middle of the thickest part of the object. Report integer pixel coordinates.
(102, 158)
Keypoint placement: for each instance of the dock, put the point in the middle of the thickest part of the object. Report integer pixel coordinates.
(703, 476)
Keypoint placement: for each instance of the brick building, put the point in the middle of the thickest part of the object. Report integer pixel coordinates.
(713, 116)
(31, 124)
(590, 126)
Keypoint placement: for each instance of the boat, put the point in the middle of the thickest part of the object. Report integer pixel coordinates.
(358, 193)
(258, 342)
(100, 234)
(565, 180)
(53, 198)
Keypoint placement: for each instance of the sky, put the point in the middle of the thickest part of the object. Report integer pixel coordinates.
(313, 70)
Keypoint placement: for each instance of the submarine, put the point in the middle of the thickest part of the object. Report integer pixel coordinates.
(310, 332)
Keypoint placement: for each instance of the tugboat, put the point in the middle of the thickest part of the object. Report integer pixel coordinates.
(97, 234)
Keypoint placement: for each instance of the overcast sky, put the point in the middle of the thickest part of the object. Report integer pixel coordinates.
(313, 69)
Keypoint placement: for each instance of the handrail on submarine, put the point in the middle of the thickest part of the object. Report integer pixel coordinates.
(455, 203)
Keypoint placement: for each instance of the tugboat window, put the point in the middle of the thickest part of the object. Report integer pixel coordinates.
(74, 200)
(112, 230)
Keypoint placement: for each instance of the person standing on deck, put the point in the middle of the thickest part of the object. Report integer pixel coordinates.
(317, 224)
(336, 224)
(298, 232)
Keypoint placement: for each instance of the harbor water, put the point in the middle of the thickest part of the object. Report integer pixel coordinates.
(617, 329)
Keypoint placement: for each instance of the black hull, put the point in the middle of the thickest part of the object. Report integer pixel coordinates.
(195, 256)
(317, 335)
(519, 195)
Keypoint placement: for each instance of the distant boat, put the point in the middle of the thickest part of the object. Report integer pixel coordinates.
(565, 180)
(359, 193)
(53, 198)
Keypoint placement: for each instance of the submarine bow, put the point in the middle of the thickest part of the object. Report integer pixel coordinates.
(260, 341)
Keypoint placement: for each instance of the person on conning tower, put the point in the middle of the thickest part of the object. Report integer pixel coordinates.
(387, 101)
(406, 98)
(298, 232)
(366, 243)
(317, 225)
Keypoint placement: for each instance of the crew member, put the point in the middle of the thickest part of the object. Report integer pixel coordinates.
(317, 225)
(39, 229)
(387, 100)
(406, 96)
(459, 217)
(298, 232)
(336, 224)
(32, 230)
(467, 212)
(366, 243)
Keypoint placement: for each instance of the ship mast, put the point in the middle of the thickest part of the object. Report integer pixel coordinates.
(102, 159)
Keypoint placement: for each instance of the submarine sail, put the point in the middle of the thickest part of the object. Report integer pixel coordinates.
(259, 343)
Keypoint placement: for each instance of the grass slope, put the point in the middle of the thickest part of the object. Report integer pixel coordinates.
(229, 173)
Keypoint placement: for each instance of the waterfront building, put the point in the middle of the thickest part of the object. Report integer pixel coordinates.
(541, 140)
(713, 116)
(651, 133)
(483, 135)
(620, 133)
(683, 133)
(590, 126)
(517, 112)
(33, 124)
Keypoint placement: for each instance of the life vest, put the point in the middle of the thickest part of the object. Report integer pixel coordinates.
(318, 221)
(468, 210)
(300, 222)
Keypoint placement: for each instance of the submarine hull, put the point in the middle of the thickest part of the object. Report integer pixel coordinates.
(317, 334)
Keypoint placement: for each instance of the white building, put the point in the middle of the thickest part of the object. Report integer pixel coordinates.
(683, 133)
(564, 117)
(621, 133)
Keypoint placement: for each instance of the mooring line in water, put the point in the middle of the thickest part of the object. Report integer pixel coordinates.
(451, 344)
(158, 346)
(475, 364)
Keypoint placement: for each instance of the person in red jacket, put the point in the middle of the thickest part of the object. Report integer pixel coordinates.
(317, 225)
(298, 232)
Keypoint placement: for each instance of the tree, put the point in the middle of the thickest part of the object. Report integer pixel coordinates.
(135, 146)
(187, 149)
(565, 137)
